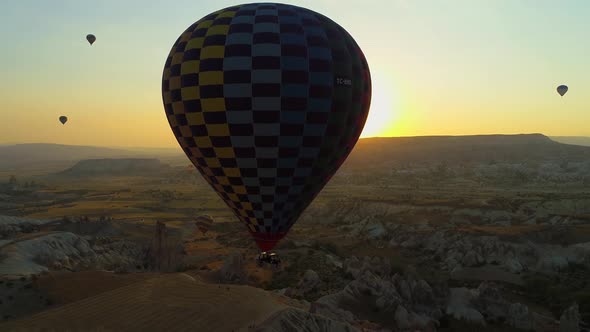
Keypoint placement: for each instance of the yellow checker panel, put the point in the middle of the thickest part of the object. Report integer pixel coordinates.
(213, 104)
(195, 43)
(218, 130)
(177, 58)
(240, 190)
(228, 13)
(204, 24)
(218, 30)
(231, 172)
(213, 163)
(212, 52)
(190, 93)
(178, 107)
(225, 153)
(195, 119)
(223, 180)
(210, 78)
(174, 83)
(203, 142)
(190, 67)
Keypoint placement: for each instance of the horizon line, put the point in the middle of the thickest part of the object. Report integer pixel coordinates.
(169, 147)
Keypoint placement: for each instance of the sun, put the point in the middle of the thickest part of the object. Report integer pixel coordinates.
(381, 113)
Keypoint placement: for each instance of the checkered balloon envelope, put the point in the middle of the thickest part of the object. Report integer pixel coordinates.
(267, 101)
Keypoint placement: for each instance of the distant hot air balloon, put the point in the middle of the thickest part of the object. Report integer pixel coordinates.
(91, 38)
(203, 223)
(63, 119)
(562, 89)
(267, 101)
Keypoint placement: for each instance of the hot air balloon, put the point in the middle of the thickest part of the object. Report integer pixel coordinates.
(203, 223)
(63, 119)
(562, 89)
(267, 101)
(91, 38)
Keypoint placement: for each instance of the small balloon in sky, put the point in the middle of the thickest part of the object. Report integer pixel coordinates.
(63, 119)
(203, 223)
(562, 89)
(91, 38)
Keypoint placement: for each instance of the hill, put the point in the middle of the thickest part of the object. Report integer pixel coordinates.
(125, 166)
(378, 152)
(22, 154)
(383, 152)
(574, 140)
(56, 156)
(43, 159)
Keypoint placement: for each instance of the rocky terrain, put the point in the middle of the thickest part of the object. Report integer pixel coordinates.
(68, 251)
(11, 226)
(453, 234)
(379, 299)
(533, 249)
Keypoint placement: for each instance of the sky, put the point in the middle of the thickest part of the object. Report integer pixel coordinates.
(438, 67)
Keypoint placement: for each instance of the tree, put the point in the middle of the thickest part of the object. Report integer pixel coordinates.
(12, 180)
